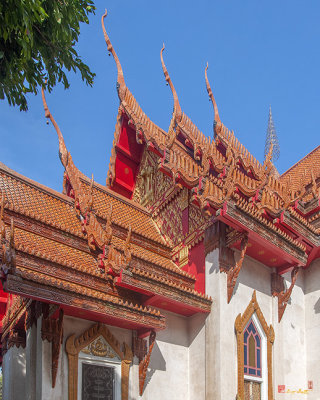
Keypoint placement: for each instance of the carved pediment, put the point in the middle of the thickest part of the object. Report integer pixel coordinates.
(100, 348)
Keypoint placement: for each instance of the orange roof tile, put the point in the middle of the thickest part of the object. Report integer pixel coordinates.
(147, 255)
(302, 170)
(37, 201)
(125, 212)
(57, 252)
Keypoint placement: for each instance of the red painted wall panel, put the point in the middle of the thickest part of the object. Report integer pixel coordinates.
(126, 171)
(196, 266)
(128, 142)
(128, 155)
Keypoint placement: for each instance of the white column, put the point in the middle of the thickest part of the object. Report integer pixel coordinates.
(39, 363)
(31, 354)
(14, 374)
(212, 328)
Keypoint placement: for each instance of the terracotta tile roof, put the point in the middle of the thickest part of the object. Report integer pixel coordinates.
(70, 257)
(172, 284)
(27, 197)
(147, 255)
(82, 290)
(42, 247)
(248, 208)
(30, 198)
(37, 201)
(135, 112)
(125, 212)
(301, 171)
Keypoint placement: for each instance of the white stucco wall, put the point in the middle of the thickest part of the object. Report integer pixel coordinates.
(290, 342)
(197, 356)
(289, 350)
(78, 326)
(167, 375)
(312, 318)
(221, 363)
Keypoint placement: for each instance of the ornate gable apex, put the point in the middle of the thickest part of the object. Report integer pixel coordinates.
(101, 348)
(133, 131)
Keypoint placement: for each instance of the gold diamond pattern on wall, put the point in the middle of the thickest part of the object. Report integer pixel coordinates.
(170, 223)
(196, 218)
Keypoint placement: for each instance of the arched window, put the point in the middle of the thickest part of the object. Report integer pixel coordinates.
(254, 345)
(252, 350)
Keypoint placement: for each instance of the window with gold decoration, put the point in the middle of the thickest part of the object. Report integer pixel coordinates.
(254, 345)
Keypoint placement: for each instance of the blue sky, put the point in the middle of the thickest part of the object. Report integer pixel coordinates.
(259, 53)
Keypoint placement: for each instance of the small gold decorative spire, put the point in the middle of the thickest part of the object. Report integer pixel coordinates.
(272, 139)
(121, 86)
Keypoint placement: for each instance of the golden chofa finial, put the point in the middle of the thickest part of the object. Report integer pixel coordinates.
(121, 86)
(176, 105)
(217, 121)
(63, 152)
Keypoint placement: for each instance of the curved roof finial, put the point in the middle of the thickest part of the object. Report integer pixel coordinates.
(63, 152)
(214, 104)
(177, 109)
(121, 86)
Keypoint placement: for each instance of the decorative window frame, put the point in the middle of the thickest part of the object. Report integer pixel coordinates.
(241, 322)
(263, 350)
(100, 361)
(75, 345)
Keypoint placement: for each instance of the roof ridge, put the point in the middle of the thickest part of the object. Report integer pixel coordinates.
(36, 185)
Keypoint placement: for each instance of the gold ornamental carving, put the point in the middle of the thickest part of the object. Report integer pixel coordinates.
(278, 290)
(183, 256)
(144, 191)
(233, 272)
(99, 348)
(76, 344)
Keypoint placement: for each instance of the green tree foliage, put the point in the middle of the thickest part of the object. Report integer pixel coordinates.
(37, 39)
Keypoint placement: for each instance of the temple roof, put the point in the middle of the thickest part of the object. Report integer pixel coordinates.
(33, 199)
(53, 260)
(56, 209)
(223, 178)
(36, 201)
